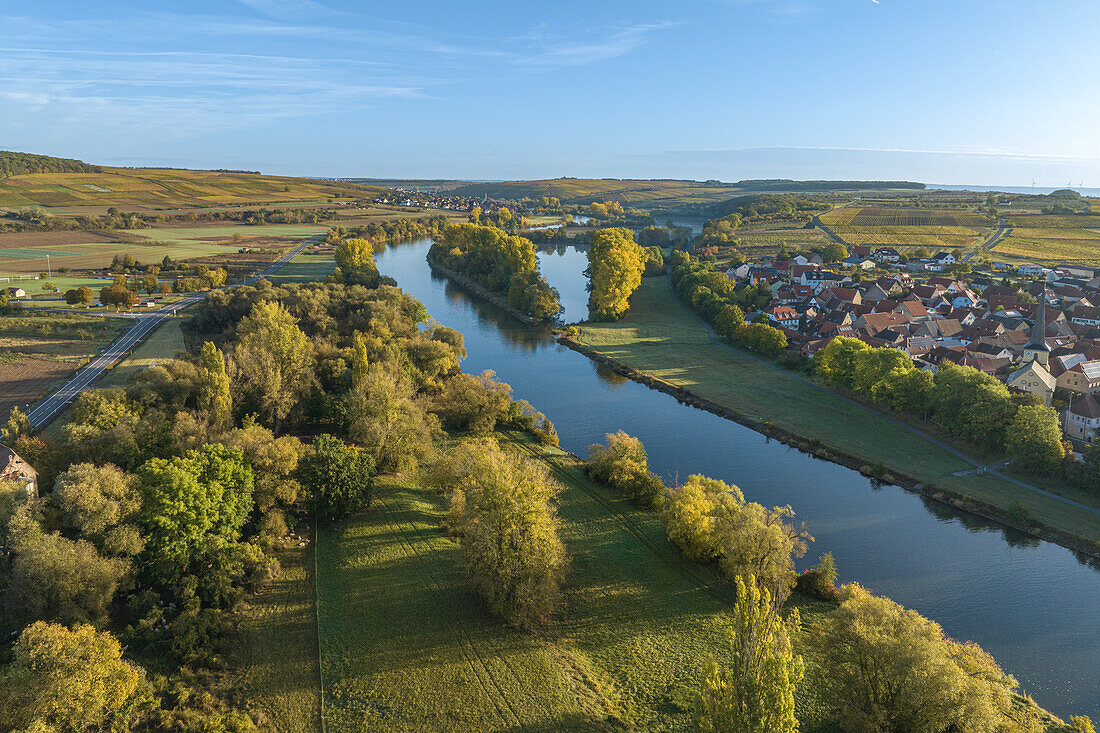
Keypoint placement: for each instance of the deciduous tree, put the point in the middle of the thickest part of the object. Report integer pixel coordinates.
(616, 263)
(751, 690)
(274, 360)
(71, 680)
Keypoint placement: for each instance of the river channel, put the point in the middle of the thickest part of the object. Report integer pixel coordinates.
(1032, 604)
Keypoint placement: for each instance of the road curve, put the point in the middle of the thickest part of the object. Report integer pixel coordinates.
(49, 407)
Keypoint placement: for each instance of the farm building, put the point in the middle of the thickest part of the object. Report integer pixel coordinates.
(14, 468)
(17, 293)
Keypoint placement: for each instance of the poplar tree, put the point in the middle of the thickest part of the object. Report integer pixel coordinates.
(214, 396)
(754, 691)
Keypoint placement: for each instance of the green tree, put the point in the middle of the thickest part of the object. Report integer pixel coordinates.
(191, 499)
(340, 477)
(394, 428)
(729, 319)
(1034, 439)
(71, 680)
(836, 362)
(214, 397)
(49, 287)
(355, 258)
(79, 296)
(623, 465)
(18, 424)
(57, 579)
(754, 691)
(149, 283)
(274, 360)
(616, 264)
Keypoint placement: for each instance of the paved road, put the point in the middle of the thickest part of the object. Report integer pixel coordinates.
(48, 408)
(1002, 231)
(978, 466)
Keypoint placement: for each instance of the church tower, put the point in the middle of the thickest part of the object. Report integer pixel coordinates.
(1037, 349)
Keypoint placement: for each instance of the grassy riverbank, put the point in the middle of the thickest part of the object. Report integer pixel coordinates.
(406, 645)
(660, 338)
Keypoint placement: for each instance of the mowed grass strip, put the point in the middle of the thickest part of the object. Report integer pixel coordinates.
(305, 268)
(277, 647)
(405, 643)
(659, 337)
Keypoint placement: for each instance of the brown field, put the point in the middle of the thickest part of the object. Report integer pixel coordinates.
(26, 380)
(18, 240)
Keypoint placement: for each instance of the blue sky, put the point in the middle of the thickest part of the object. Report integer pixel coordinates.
(944, 91)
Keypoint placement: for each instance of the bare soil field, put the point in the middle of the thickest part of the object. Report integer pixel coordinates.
(19, 240)
(26, 380)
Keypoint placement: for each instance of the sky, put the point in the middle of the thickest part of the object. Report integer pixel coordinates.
(984, 92)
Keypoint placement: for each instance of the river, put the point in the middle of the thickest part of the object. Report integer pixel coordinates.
(1031, 604)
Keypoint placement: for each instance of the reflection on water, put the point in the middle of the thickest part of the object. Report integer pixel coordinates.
(1029, 603)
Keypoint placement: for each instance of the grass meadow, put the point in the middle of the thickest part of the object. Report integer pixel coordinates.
(164, 344)
(405, 644)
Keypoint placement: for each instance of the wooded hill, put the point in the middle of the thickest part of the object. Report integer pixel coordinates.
(17, 164)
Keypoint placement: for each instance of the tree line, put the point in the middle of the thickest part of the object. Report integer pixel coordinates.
(964, 401)
(721, 302)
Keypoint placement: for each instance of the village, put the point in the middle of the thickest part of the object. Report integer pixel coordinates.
(930, 311)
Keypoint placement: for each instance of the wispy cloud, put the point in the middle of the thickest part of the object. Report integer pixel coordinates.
(182, 91)
(553, 52)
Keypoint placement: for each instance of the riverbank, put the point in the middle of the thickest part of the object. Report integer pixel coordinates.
(495, 298)
(661, 345)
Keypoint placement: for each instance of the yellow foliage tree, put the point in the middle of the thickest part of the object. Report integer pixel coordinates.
(616, 264)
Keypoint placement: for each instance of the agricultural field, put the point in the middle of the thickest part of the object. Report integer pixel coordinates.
(164, 344)
(142, 190)
(25, 380)
(305, 268)
(25, 253)
(889, 217)
(908, 228)
(243, 232)
(39, 349)
(1050, 239)
(778, 235)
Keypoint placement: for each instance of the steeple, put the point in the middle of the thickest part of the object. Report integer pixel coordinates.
(1037, 349)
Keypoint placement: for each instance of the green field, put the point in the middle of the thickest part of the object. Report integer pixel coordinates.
(1052, 239)
(661, 338)
(162, 345)
(305, 268)
(407, 646)
(277, 648)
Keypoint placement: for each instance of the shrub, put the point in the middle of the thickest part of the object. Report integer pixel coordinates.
(623, 465)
